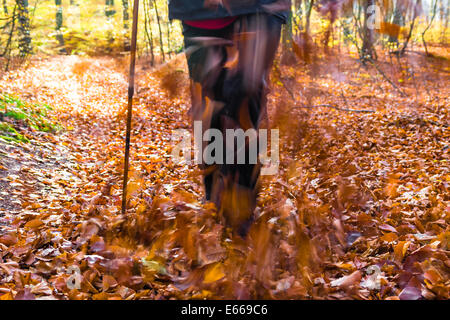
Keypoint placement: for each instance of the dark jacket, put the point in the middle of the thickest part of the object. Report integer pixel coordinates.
(199, 10)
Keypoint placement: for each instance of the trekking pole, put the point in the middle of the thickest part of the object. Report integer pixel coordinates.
(130, 103)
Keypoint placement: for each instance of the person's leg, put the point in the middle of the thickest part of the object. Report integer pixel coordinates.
(206, 56)
(257, 52)
(231, 94)
(245, 91)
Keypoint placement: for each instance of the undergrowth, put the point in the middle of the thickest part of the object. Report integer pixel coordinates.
(18, 118)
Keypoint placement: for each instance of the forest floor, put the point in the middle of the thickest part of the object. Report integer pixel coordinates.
(359, 210)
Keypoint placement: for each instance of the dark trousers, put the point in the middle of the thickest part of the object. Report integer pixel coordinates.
(229, 69)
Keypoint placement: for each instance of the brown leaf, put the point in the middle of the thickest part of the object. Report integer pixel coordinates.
(24, 294)
(347, 281)
(33, 224)
(410, 293)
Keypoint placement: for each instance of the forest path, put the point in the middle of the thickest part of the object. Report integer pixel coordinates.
(88, 96)
(47, 169)
(354, 190)
(59, 178)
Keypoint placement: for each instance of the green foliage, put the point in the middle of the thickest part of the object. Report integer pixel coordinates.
(102, 27)
(17, 115)
(95, 27)
(8, 133)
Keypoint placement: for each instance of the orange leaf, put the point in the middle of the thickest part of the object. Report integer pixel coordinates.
(389, 237)
(34, 224)
(6, 296)
(214, 273)
(400, 249)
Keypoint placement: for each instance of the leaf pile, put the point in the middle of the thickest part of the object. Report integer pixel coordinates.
(356, 192)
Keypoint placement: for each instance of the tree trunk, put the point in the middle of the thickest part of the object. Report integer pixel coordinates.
(368, 34)
(7, 48)
(287, 56)
(148, 31)
(444, 16)
(109, 8)
(308, 16)
(169, 50)
(415, 11)
(126, 26)
(109, 13)
(59, 23)
(306, 45)
(297, 27)
(429, 25)
(161, 43)
(25, 47)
